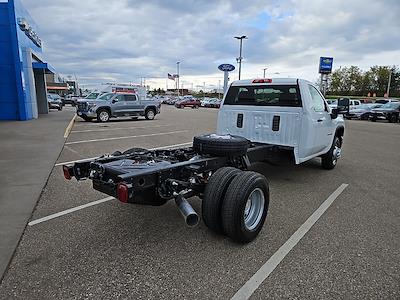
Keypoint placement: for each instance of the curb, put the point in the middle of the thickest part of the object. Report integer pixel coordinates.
(69, 127)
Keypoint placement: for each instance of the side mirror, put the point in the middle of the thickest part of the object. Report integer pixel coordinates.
(343, 105)
(114, 101)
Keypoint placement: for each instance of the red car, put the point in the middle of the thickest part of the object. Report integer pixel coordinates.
(190, 102)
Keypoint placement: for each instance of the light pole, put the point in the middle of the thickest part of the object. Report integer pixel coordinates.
(388, 86)
(177, 69)
(239, 59)
(265, 69)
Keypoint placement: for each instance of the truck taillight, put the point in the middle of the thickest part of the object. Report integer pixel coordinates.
(67, 175)
(263, 80)
(123, 192)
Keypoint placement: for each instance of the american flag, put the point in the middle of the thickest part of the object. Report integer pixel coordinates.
(170, 76)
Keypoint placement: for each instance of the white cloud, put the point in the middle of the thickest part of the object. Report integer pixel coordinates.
(101, 40)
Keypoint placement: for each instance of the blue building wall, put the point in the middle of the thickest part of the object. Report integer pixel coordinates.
(17, 85)
(8, 88)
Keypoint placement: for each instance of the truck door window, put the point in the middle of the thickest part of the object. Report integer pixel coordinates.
(119, 98)
(130, 98)
(317, 101)
(264, 95)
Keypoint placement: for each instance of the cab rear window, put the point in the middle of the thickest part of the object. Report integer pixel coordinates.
(264, 95)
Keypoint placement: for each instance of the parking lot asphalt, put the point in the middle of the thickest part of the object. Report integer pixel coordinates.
(112, 250)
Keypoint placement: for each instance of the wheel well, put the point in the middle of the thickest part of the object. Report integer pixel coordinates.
(340, 132)
(105, 108)
(152, 108)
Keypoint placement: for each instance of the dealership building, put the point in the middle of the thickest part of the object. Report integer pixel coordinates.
(23, 69)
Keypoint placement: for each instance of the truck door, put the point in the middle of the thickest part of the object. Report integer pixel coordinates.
(118, 105)
(133, 106)
(321, 121)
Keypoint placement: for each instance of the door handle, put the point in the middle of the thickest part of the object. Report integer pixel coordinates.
(320, 120)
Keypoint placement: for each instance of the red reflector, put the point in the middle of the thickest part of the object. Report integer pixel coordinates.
(66, 173)
(264, 80)
(123, 192)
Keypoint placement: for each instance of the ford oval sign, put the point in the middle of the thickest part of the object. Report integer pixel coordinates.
(226, 67)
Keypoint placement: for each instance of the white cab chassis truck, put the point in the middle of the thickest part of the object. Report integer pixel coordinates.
(257, 119)
(289, 113)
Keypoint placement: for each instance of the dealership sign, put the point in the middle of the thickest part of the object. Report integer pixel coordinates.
(226, 67)
(325, 65)
(32, 35)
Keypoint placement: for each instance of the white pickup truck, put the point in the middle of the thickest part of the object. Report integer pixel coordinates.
(257, 119)
(289, 112)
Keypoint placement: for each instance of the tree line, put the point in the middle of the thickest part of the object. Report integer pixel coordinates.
(352, 81)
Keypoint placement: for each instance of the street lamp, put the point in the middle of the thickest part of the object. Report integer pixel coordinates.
(177, 69)
(239, 59)
(264, 71)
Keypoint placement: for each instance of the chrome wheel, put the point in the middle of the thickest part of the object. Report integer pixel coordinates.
(104, 116)
(150, 114)
(336, 151)
(254, 208)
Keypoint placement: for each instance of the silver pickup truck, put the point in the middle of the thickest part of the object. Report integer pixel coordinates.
(112, 105)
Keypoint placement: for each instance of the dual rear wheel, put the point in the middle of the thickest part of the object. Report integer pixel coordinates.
(235, 203)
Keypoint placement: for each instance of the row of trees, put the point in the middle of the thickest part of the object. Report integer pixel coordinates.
(352, 81)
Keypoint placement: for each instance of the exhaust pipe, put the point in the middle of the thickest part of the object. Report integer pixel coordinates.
(187, 211)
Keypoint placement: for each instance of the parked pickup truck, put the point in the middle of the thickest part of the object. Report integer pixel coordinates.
(258, 119)
(110, 105)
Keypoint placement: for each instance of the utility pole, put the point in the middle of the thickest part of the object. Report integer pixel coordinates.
(177, 69)
(219, 88)
(265, 69)
(239, 59)
(388, 86)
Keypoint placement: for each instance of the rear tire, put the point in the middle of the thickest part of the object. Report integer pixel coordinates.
(213, 197)
(150, 114)
(245, 206)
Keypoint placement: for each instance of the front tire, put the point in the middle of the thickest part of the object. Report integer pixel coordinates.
(329, 160)
(393, 118)
(103, 115)
(245, 206)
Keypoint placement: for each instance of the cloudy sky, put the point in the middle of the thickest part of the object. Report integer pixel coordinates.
(104, 40)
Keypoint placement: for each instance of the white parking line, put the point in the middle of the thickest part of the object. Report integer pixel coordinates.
(255, 281)
(68, 211)
(90, 158)
(125, 137)
(119, 128)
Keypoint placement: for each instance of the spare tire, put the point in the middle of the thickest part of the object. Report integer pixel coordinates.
(220, 145)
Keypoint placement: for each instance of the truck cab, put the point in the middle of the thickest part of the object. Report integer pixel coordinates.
(286, 112)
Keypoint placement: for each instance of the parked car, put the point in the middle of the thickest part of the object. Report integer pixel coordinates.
(188, 102)
(362, 111)
(71, 99)
(353, 103)
(384, 101)
(205, 102)
(112, 105)
(389, 111)
(215, 103)
(54, 101)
